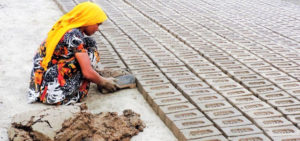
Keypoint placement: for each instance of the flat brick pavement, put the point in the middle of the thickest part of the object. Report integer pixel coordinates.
(211, 69)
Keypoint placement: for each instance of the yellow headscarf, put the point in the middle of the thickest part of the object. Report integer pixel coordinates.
(84, 14)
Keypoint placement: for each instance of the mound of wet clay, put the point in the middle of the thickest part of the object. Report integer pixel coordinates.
(75, 123)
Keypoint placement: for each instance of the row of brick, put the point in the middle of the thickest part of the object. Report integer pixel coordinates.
(188, 86)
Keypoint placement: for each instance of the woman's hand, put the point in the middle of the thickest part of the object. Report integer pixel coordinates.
(109, 84)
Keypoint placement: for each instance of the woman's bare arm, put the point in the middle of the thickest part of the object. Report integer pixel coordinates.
(90, 74)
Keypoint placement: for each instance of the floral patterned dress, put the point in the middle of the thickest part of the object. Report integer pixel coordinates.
(62, 82)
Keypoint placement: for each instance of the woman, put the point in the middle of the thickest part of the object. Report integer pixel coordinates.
(62, 68)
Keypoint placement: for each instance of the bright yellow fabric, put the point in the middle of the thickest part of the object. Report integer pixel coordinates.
(84, 14)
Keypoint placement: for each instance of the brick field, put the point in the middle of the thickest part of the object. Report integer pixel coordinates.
(210, 69)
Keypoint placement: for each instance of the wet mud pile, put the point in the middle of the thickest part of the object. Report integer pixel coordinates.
(75, 124)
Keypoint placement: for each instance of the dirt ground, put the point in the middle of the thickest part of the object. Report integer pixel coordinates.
(78, 125)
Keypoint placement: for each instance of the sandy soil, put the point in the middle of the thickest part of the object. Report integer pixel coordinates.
(24, 24)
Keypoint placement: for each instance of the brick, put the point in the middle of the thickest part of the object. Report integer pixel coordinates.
(138, 61)
(263, 113)
(248, 78)
(133, 57)
(200, 64)
(166, 64)
(206, 98)
(272, 74)
(194, 59)
(111, 57)
(163, 110)
(174, 69)
(265, 89)
(110, 62)
(256, 83)
(284, 102)
(282, 131)
(221, 58)
(245, 72)
(213, 105)
(129, 51)
(289, 86)
(190, 123)
(158, 88)
(244, 100)
(189, 79)
(256, 137)
(146, 71)
(149, 76)
(272, 122)
(241, 130)
(231, 122)
(168, 101)
(159, 81)
(227, 63)
(290, 110)
(236, 92)
(193, 85)
(295, 75)
(294, 92)
(264, 69)
(212, 75)
(274, 95)
(294, 118)
(227, 86)
(196, 133)
(161, 55)
(161, 94)
(198, 92)
(275, 60)
(213, 138)
(250, 60)
(141, 66)
(183, 116)
(285, 64)
(282, 79)
(253, 106)
(219, 81)
(180, 74)
(258, 64)
(157, 51)
(114, 66)
(234, 67)
(288, 138)
(201, 70)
